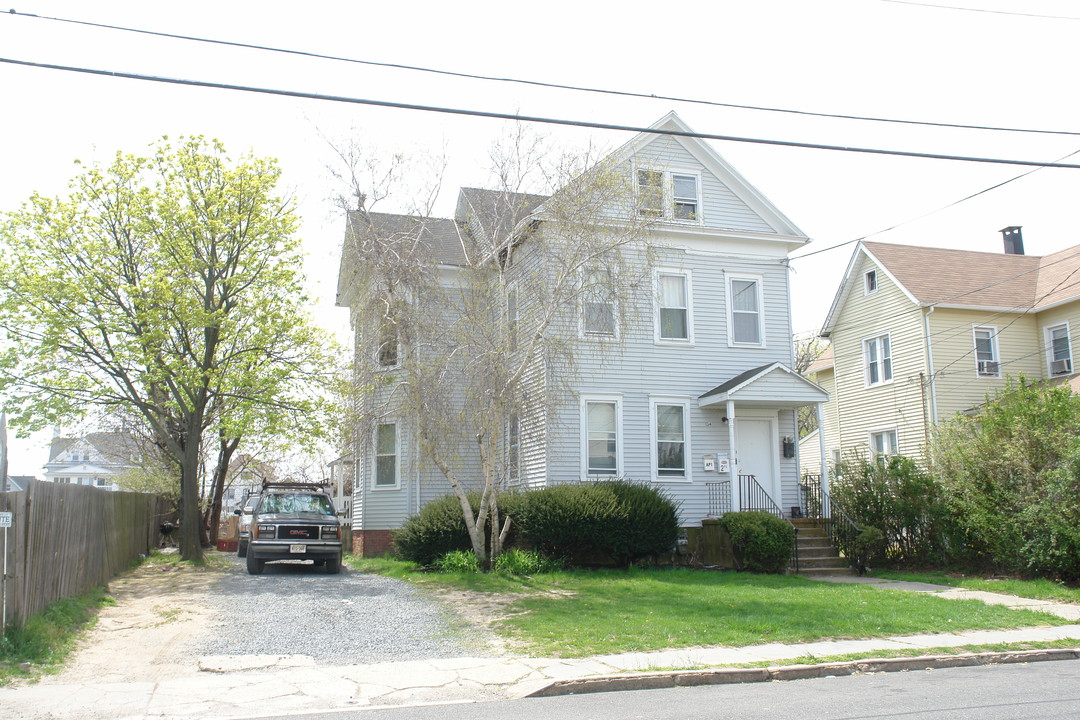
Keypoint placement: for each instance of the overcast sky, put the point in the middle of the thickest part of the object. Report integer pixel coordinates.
(1001, 63)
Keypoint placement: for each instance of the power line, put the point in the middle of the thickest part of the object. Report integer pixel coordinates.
(532, 118)
(543, 84)
(979, 10)
(928, 214)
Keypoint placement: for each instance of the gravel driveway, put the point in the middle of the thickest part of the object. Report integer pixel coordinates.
(296, 609)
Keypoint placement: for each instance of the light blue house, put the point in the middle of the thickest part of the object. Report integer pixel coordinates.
(692, 391)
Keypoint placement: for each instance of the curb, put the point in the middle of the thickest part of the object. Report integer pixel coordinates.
(690, 678)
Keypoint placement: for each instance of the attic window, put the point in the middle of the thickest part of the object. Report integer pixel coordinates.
(671, 195)
(870, 284)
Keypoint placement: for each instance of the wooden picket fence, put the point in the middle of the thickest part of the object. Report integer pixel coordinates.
(67, 539)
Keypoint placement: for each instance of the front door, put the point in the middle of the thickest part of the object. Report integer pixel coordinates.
(755, 453)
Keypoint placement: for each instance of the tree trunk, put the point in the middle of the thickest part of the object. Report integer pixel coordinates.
(226, 448)
(190, 518)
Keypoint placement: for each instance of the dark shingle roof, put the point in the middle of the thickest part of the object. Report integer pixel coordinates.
(496, 212)
(438, 237)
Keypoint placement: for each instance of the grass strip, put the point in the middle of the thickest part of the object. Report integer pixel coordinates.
(583, 613)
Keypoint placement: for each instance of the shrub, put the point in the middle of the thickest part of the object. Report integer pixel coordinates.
(1013, 473)
(462, 561)
(525, 562)
(902, 501)
(761, 541)
(868, 548)
(620, 519)
(437, 529)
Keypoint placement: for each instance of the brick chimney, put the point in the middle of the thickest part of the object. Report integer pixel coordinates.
(1014, 240)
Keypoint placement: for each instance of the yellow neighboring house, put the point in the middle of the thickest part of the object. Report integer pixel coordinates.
(919, 334)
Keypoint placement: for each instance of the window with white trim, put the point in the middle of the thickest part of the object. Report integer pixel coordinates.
(883, 443)
(673, 311)
(387, 355)
(675, 195)
(744, 310)
(601, 430)
(598, 304)
(670, 441)
(513, 447)
(386, 455)
(986, 352)
(1059, 349)
(877, 354)
(870, 282)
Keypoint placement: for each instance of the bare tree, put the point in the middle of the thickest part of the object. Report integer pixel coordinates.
(475, 356)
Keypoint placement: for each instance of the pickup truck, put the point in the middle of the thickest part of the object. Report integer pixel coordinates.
(294, 521)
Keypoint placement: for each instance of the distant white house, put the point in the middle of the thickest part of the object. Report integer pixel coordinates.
(96, 459)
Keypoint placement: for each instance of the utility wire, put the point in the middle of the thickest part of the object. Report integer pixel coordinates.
(532, 118)
(979, 10)
(928, 214)
(540, 83)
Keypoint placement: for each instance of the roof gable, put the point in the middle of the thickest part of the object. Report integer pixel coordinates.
(966, 279)
(764, 384)
(712, 162)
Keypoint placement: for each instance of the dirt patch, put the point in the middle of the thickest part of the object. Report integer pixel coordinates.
(145, 636)
(486, 611)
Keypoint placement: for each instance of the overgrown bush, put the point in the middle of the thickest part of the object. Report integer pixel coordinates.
(900, 499)
(620, 519)
(761, 541)
(1013, 475)
(868, 548)
(437, 529)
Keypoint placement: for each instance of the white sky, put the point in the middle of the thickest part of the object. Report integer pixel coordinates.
(855, 57)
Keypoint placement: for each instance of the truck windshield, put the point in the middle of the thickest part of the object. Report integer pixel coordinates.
(296, 503)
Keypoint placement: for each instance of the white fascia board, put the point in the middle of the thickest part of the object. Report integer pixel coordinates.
(981, 308)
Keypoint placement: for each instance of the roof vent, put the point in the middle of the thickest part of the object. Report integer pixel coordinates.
(1014, 240)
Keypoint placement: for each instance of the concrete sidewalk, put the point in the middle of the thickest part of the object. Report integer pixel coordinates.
(251, 686)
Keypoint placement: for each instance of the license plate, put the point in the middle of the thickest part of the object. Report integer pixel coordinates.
(297, 548)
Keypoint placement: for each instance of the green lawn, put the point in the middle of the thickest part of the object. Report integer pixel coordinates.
(1035, 589)
(582, 613)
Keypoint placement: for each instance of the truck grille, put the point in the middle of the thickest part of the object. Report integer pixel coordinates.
(298, 532)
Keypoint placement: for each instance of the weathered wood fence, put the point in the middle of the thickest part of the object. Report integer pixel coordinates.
(66, 539)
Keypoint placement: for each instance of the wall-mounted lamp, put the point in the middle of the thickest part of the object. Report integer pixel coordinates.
(723, 418)
(789, 447)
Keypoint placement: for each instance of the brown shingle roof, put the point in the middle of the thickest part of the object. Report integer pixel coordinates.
(940, 276)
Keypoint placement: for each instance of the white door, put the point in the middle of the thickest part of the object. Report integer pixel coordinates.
(755, 454)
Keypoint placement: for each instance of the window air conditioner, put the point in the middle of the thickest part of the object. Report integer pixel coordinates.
(988, 367)
(1061, 367)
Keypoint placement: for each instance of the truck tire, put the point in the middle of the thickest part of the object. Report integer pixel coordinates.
(241, 549)
(254, 565)
(333, 565)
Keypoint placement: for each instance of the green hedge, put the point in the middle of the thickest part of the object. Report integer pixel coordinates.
(621, 520)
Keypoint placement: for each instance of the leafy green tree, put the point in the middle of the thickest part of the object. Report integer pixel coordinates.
(1013, 476)
(170, 286)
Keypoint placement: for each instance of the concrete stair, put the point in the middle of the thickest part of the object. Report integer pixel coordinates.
(817, 556)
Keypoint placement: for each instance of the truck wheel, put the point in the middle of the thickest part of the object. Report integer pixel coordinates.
(333, 565)
(241, 549)
(254, 565)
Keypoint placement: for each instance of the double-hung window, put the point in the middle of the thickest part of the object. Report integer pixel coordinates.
(986, 352)
(870, 282)
(883, 443)
(670, 442)
(386, 455)
(666, 194)
(877, 354)
(602, 436)
(674, 320)
(744, 310)
(1059, 349)
(387, 355)
(598, 304)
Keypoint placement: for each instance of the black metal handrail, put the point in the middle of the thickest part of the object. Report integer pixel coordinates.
(837, 524)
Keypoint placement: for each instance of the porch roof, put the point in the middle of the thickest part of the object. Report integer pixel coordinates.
(774, 385)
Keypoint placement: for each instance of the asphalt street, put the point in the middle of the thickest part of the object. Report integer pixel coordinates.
(1038, 691)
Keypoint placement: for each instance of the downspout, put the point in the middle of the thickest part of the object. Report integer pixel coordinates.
(930, 366)
(732, 472)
